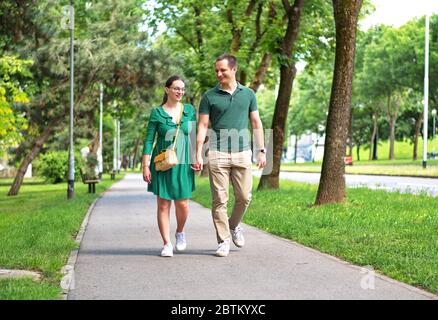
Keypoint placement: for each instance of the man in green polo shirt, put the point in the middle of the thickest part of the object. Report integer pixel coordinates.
(228, 107)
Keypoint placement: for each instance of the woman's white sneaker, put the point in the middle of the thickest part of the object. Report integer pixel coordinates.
(181, 243)
(167, 250)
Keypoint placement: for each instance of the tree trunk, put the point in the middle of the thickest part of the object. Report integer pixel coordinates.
(350, 135)
(392, 122)
(36, 148)
(243, 77)
(376, 145)
(316, 148)
(393, 106)
(332, 183)
(358, 152)
(287, 76)
(261, 71)
(295, 148)
(235, 42)
(267, 57)
(418, 122)
(135, 153)
(373, 136)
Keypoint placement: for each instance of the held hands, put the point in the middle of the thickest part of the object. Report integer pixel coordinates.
(146, 174)
(199, 164)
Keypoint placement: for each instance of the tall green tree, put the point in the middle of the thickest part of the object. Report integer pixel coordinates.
(287, 56)
(332, 182)
(109, 48)
(199, 31)
(14, 74)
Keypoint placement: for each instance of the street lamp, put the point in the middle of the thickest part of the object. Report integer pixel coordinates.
(118, 147)
(100, 157)
(426, 91)
(71, 156)
(433, 133)
(113, 174)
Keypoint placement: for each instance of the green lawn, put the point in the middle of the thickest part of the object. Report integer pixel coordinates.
(403, 150)
(399, 168)
(37, 231)
(396, 234)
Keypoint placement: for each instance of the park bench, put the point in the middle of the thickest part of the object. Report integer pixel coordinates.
(91, 182)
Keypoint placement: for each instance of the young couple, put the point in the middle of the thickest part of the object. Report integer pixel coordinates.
(228, 106)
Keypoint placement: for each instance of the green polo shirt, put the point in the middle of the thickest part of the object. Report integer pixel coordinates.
(229, 114)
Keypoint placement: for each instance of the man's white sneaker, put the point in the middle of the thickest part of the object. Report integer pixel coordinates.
(223, 248)
(181, 243)
(237, 236)
(167, 250)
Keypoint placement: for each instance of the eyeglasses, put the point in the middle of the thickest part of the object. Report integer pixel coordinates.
(176, 89)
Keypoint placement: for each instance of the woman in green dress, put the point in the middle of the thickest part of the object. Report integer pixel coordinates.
(178, 182)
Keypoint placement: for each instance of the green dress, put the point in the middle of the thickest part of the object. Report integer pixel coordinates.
(178, 182)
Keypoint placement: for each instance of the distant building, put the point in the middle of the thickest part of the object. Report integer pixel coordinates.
(7, 171)
(310, 147)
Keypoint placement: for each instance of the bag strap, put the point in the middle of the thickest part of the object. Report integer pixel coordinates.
(177, 129)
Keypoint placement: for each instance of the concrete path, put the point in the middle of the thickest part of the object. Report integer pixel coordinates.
(119, 259)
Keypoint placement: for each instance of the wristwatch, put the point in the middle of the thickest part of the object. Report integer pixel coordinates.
(262, 150)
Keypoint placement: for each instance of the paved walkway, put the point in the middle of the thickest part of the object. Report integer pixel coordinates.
(119, 259)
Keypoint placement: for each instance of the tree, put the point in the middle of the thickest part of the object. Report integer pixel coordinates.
(287, 75)
(109, 49)
(332, 183)
(310, 105)
(246, 29)
(13, 74)
(390, 64)
(263, 35)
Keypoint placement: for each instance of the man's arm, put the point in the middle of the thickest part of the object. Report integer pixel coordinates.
(257, 128)
(200, 139)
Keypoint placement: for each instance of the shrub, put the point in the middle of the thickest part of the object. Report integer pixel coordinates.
(53, 166)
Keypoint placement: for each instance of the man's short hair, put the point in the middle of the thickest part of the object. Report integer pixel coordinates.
(232, 60)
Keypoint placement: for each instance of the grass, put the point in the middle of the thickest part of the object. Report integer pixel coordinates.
(396, 234)
(27, 289)
(37, 230)
(391, 169)
(403, 150)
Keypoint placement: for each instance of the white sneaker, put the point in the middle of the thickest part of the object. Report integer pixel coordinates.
(181, 243)
(167, 250)
(223, 248)
(237, 235)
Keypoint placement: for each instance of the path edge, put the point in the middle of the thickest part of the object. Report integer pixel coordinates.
(67, 281)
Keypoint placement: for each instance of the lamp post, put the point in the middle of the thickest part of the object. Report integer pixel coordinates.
(113, 174)
(433, 133)
(118, 147)
(100, 157)
(426, 91)
(71, 156)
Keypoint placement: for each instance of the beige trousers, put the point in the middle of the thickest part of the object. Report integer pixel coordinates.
(223, 168)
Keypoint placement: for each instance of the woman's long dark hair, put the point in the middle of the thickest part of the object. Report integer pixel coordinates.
(168, 84)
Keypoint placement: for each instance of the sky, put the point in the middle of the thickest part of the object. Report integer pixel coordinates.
(398, 12)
